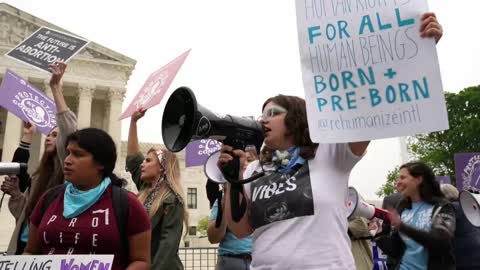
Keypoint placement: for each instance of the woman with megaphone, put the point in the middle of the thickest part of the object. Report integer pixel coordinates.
(424, 226)
(296, 210)
(157, 177)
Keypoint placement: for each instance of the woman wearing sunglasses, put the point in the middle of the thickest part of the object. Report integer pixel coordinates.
(296, 210)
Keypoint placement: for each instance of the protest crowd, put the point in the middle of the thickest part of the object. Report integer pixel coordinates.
(282, 206)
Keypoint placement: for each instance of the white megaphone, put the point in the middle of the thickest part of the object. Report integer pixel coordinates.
(357, 207)
(211, 169)
(470, 204)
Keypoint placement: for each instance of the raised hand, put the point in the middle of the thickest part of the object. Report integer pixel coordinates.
(29, 128)
(430, 27)
(57, 69)
(138, 114)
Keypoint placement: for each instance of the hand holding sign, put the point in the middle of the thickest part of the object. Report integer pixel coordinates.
(138, 114)
(57, 69)
(28, 131)
(430, 28)
(28, 128)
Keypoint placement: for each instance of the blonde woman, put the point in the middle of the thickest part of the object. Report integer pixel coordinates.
(157, 177)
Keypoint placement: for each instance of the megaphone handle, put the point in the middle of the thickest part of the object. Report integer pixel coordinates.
(1, 200)
(238, 209)
(230, 170)
(218, 220)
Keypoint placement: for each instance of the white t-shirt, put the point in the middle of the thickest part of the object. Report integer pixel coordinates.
(302, 224)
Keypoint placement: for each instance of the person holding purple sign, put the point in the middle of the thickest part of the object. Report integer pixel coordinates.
(424, 226)
(49, 173)
(467, 236)
(157, 177)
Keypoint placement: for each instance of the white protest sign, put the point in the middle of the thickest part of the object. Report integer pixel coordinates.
(56, 262)
(367, 73)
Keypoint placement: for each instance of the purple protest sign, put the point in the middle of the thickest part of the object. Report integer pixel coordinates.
(467, 170)
(445, 179)
(197, 152)
(25, 101)
(379, 258)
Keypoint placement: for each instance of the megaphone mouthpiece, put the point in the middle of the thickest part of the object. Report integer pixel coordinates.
(7, 168)
(358, 207)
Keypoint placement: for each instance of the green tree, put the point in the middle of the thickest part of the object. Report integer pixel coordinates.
(437, 149)
(389, 187)
(202, 225)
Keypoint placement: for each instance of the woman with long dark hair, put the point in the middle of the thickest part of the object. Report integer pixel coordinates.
(81, 218)
(157, 176)
(49, 172)
(424, 226)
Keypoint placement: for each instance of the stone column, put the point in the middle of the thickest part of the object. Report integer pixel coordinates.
(85, 94)
(12, 136)
(115, 96)
(106, 115)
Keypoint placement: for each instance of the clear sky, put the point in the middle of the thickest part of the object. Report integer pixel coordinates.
(242, 53)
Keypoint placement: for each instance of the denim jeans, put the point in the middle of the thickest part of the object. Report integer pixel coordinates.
(231, 263)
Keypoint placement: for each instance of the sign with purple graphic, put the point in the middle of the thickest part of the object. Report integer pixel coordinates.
(46, 46)
(467, 171)
(25, 101)
(445, 179)
(379, 258)
(57, 262)
(197, 152)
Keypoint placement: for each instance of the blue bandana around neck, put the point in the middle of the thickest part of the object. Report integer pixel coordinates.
(77, 201)
(294, 157)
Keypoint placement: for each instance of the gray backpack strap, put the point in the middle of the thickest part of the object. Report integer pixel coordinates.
(51, 195)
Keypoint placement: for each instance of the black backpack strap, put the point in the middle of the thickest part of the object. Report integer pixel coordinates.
(120, 208)
(51, 195)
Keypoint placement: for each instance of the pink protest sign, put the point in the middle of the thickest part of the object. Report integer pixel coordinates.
(155, 87)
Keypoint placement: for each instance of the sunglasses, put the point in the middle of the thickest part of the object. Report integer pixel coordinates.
(272, 112)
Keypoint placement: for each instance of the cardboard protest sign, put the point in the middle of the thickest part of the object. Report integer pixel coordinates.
(155, 87)
(46, 46)
(29, 104)
(367, 73)
(197, 152)
(57, 262)
(467, 171)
